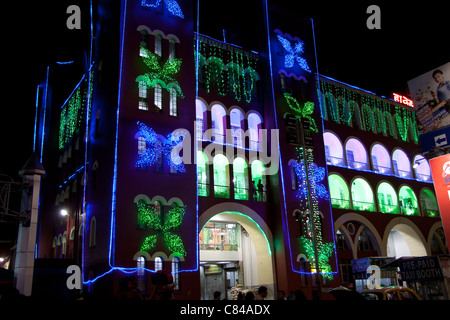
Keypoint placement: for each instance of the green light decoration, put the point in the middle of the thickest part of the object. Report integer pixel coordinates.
(324, 250)
(227, 70)
(305, 111)
(72, 113)
(370, 113)
(160, 73)
(162, 225)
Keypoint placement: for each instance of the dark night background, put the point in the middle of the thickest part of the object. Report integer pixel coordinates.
(414, 38)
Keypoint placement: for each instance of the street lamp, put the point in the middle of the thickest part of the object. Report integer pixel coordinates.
(64, 212)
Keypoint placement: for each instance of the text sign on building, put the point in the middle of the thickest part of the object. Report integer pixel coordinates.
(440, 170)
(420, 269)
(402, 99)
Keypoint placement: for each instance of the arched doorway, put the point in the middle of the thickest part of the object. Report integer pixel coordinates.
(235, 251)
(404, 241)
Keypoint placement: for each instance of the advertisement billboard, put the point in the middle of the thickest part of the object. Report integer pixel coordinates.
(440, 170)
(430, 93)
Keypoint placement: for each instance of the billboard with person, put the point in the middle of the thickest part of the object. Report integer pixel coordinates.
(430, 93)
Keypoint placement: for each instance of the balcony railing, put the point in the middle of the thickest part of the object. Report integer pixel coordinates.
(240, 193)
(382, 169)
(203, 189)
(358, 165)
(363, 206)
(388, 208)
(335, 161)
(221, 192)
(219, 247)
(403, 173)
(340, 203)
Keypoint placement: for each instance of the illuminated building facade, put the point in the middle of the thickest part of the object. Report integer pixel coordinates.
(181, 152)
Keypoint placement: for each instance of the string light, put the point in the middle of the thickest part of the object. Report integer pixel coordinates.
(160, 73)
(317, 191)
(372, 113)
(162, 224)
(172, 6)
(306, 111)
(293, 53)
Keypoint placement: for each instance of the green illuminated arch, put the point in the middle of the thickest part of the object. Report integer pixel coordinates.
(221, 176)
(362, 195)
(408, 201)
(240, 179)
(340, 195)
(428, 203)
(202, 174)
(387, 198)
(258, 170)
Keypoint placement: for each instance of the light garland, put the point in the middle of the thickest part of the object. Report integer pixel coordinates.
(376, 115)
(172, 6)
(317, 191)
(160, 74)
(162, 225)
(156, 147)
(293, 53)
(226, 69)
(306, 111)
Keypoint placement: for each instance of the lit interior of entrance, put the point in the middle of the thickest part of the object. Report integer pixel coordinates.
(403, 241)
(235, 256)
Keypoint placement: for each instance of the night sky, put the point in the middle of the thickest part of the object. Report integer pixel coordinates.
(414, 38)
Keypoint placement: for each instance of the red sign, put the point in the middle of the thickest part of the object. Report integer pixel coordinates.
(440, 170)
(402, 99)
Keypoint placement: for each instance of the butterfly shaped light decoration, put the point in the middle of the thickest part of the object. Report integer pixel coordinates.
(293, 53)
(172, 6)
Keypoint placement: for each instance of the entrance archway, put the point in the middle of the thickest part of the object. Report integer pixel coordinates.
(404, 241)
(246, 260)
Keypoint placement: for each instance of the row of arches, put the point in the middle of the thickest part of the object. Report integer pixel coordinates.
(220, 119)
(230, 178)
(353, 154)
(359, 195)
(401, 237)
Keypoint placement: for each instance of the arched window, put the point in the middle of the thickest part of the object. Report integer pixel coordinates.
(334, 152)
(387, 198)
(339, 193)
(221, 176)
(141, 275)
(142, 145)
(237, 127)
(64, 245)
(240, 179)
(259, 189)
(401, 164)
(365, 241)
(381, 160)
(158, 97)
(202, 174)
(200, 116)
(428, 203)
(176, 272)
(218, 118)
(158, 264)
(93, 232)
(143, 104)
(143, 41)
(356, 154)
(408, 201)
(422, 168)
(158, 44)
(254, 125)
(173, 111)
(362, 195)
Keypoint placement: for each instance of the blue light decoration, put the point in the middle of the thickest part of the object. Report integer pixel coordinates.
(171, 5)
(318, 174)
(155, 147)
(293, 53)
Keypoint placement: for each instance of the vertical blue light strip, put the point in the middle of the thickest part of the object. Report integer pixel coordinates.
(284, 221)
(319, 97)
(44, 112)
(35, 119)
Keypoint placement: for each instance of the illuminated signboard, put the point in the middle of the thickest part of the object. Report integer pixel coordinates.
(402, 99)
